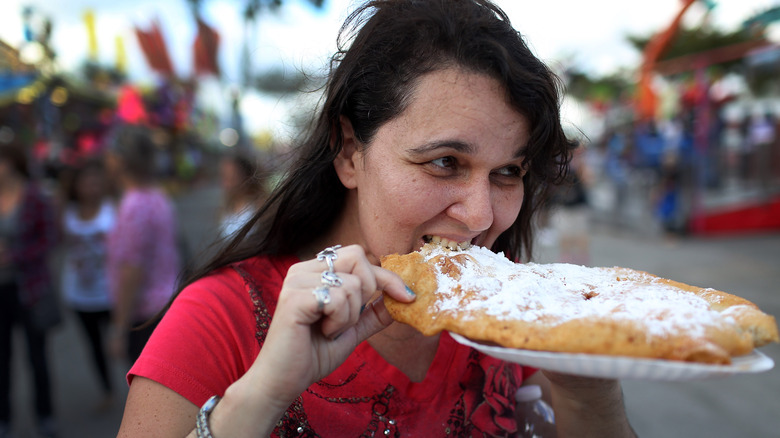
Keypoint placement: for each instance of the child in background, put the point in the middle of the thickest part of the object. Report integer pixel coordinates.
(242, 192)
(88, 216)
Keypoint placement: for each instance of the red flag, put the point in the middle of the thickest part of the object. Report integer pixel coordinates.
(154, 48)
(205, 50)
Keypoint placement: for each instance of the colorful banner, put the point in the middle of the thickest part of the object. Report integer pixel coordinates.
(89, 22)
(121, 55)
(154, 48)
(205, 50)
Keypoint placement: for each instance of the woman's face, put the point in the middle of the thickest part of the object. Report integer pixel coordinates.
(450, 166)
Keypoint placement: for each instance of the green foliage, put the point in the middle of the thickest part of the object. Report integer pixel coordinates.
(763, 19)
(603, 89)
(690, 41)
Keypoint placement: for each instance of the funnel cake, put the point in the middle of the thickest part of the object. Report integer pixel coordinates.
(569, 308)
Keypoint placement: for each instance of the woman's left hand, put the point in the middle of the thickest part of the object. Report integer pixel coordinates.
(587, 406)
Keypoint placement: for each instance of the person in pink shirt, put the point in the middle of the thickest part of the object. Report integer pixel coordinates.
(143, 259)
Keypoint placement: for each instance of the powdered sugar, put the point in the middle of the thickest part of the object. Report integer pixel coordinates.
(561, 292)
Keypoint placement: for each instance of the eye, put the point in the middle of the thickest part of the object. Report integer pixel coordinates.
(443, 162)
(512, 171)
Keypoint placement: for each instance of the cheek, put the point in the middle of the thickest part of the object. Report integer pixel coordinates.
(506, 209)
(403, 201)
(397, 195)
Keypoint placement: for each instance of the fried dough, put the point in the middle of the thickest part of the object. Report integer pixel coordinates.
(569, 308)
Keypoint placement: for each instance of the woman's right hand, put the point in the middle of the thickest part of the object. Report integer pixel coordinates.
(306, 342)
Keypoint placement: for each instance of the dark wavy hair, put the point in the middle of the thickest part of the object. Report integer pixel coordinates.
(134, 146)
(384, 47)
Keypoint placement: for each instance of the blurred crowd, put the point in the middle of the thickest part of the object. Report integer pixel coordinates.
(662, 176)
(100, 239)
(666, 158)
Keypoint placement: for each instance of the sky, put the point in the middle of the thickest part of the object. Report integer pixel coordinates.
(590, 34)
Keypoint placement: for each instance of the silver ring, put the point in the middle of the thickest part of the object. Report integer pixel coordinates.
(322, 295)
(329, 256)
(330, 278)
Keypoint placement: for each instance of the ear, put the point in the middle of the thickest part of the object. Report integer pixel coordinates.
(346, 161)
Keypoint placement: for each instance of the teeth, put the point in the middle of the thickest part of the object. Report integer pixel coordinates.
(446, 243)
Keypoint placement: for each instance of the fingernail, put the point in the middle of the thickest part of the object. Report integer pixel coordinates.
(362, 308)
(410, 292)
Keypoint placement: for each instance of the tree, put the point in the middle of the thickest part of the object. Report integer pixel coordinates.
(698, 40)
(604, 89)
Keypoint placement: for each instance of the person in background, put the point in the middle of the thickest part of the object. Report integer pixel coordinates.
(761, 136)
(88, 215)
(437, 121)
(143, 258)
(27, 237)
(571, 212)
(242, 192)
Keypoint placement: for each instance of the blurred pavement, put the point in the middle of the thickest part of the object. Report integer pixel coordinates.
(740, 406)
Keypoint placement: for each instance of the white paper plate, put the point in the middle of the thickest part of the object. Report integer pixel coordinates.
(621, 367)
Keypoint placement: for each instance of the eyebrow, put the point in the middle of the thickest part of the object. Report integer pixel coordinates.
(456, 145)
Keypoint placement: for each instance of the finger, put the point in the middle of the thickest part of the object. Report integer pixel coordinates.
(390, 283)
(302, 284)
(349, 260)
(374, 318)
(364, 281)
(352, 259)
(335, 315)
(363, 269)
(344, 310)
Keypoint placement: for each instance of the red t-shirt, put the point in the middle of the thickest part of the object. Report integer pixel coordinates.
(214, 330)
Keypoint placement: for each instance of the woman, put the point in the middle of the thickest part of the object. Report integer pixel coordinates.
(143, 258)
(27, 237)
(89, 215)
(437, 121)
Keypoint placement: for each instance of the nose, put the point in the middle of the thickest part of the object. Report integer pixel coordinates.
(472, 204)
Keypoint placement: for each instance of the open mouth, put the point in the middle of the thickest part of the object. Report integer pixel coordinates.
(446, 243)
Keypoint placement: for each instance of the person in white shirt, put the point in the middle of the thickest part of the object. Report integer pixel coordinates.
(88, 216)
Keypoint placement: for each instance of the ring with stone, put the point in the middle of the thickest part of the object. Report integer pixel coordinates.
(329, 255)
(330, 278)
(322, 295)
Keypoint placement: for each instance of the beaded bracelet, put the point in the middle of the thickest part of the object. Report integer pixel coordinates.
(202, 422)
